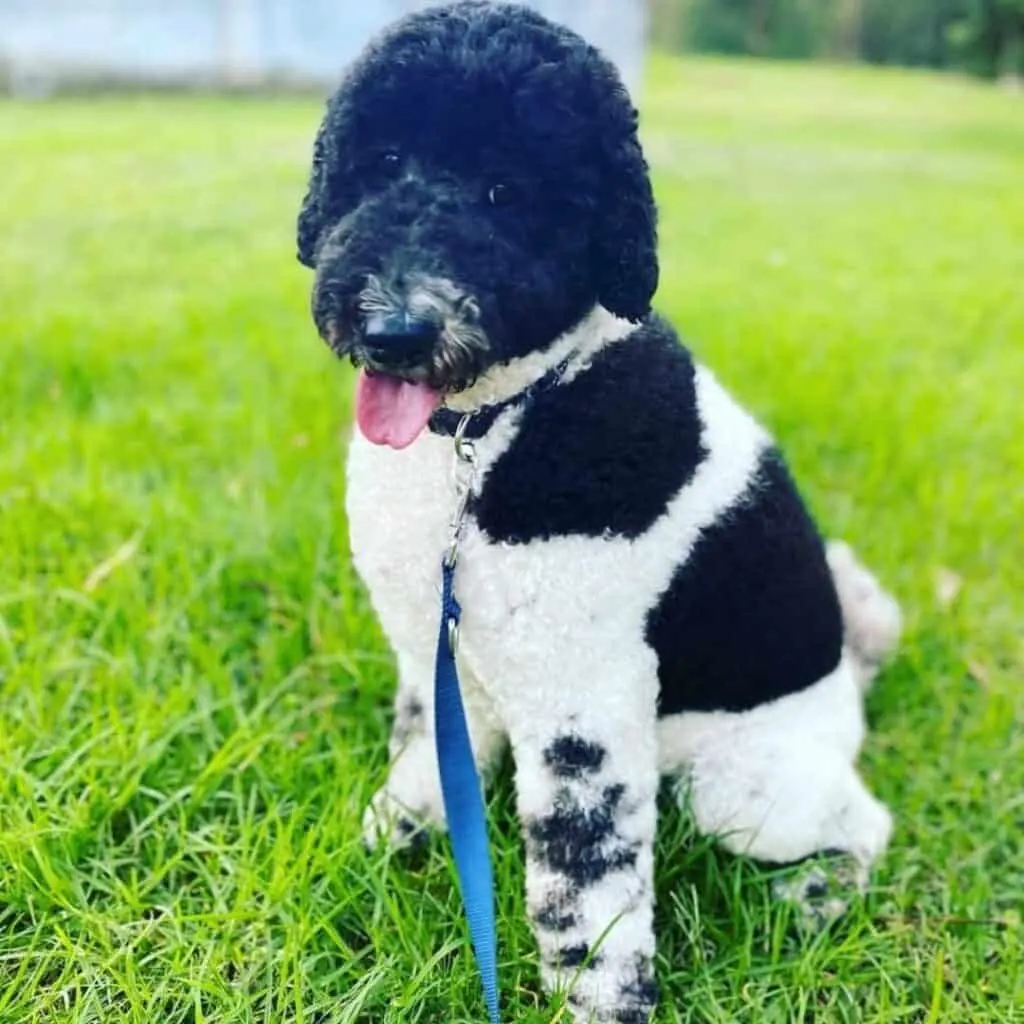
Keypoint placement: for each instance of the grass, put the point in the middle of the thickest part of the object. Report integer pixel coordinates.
(195, 694)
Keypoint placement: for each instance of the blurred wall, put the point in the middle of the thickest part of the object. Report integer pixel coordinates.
(242, 41)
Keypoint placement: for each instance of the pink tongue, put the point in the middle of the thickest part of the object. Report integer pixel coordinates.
(393, 411)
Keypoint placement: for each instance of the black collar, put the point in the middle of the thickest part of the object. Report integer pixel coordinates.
(445, 421)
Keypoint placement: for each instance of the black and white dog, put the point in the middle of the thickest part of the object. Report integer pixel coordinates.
(643, 592)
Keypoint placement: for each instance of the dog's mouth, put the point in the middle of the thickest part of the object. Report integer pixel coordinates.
(414, 339)
(391, 410)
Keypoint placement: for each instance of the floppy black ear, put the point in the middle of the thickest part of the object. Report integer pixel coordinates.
(312, 216)
(625, 247)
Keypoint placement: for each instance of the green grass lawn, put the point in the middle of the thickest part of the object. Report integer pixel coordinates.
(194, 695)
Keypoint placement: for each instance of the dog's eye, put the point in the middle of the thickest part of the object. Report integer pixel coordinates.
(501, 194)
(389, 162)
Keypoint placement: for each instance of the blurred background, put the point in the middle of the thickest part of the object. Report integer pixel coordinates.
(237, 42)
(984, 37)
(249, 42)
(194, 692)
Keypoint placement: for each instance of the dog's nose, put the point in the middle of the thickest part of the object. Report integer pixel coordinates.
(398, 339)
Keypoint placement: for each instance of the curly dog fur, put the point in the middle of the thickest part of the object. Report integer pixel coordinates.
(644, 592)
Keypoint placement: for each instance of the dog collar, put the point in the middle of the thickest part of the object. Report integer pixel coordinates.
(445, 422)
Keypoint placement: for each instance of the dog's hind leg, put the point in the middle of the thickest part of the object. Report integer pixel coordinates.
(410, 800)
(586, 783)
(778, 783)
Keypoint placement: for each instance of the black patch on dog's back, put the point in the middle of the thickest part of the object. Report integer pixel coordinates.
(604, 454)
(753, 613)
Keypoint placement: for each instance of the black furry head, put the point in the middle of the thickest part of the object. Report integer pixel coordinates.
(477, 187)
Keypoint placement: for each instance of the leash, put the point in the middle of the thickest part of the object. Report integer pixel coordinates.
(460, 783)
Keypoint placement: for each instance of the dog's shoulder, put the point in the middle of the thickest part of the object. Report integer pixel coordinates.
(603, 453)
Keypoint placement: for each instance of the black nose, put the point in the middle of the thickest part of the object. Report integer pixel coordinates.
(398, 339)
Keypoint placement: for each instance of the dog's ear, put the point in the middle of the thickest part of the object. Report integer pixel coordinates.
(625, 244)
(312, 215)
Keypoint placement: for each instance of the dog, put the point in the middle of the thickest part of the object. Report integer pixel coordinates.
(644, 593)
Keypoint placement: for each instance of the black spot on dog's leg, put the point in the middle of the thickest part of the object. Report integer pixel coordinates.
(555, 915)
(414, 840)
(588, 869)
(410, 831)
(816, 889)
(637, 1016)
(409, 722)
(639, 994)
(581, 842)
(572, 757)
(575, 956)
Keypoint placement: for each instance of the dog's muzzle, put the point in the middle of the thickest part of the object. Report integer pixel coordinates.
(411, 326)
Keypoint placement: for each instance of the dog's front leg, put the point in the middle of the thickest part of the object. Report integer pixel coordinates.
(410, 800)
(586, 785)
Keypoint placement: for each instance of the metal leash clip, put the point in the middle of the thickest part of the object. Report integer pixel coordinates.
(465, 470)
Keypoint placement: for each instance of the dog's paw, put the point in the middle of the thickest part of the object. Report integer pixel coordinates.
(823, 890)
(388, 822)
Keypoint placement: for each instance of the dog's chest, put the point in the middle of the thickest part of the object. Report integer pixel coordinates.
(400, 505)
(524, 603)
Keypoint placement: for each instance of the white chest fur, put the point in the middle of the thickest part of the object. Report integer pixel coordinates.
(399, 507)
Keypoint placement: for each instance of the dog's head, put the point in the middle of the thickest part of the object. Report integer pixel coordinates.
(477, 187)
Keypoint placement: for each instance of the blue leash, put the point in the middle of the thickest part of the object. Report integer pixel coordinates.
(460, 783)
